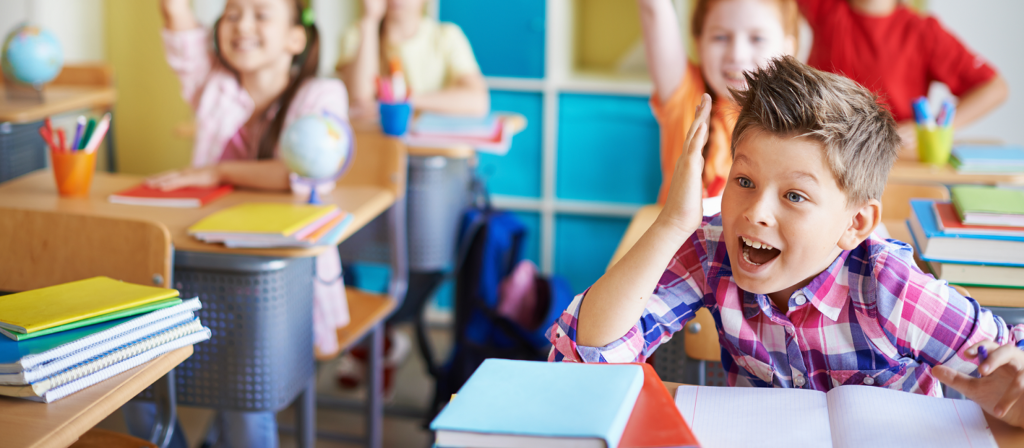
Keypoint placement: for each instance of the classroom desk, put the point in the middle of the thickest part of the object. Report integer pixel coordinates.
(1006, 436)
(38, 191)
(33, 425)
(913, 172)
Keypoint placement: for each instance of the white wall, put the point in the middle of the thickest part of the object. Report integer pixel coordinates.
(992, 28)
(78, 24)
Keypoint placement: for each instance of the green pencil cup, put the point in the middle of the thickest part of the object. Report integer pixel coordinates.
(934, 144)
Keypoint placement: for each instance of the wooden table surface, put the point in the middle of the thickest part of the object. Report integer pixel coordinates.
(57, 99)
(30, 424)
(1006, 436)
(38, 191)
(913, 172)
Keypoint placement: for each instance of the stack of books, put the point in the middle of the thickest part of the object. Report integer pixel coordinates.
(977, 240)
(988, 159)
(508, 403)
(64, 338)
(491, 134)
(271, 225)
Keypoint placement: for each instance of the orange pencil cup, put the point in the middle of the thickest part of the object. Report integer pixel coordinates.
(73, 171)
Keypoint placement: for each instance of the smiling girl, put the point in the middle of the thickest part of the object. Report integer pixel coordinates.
(732, 37)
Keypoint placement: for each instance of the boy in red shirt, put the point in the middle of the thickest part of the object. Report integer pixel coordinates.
(897, 53)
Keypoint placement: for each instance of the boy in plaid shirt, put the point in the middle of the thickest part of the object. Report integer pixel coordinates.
(802, 293)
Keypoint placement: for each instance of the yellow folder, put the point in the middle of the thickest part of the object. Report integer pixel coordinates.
(262, 218)
(39, 309)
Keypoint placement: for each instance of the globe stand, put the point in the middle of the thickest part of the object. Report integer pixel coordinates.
(314, 198)
(16, 91)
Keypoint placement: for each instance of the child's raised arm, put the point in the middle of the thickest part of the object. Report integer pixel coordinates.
(617, 300)
(178, 15)
(663, 43)
(359, 74)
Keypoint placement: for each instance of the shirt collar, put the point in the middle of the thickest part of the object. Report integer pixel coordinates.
(828, 292)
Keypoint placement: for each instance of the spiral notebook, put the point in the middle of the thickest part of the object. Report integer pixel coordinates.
(45, 370)
(22, 356)
(109, 363)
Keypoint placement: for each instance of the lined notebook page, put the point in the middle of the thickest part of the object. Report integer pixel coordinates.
(761, 417)
(883, 418)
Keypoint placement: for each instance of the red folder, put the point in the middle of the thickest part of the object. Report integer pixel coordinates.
(188, 197)
(655, 421)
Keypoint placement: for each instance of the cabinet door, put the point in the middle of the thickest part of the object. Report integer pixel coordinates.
(507, 36)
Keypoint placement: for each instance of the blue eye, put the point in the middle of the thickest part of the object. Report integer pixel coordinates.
(720, 38)
(794, 197)
(744, 182)
(757, 39)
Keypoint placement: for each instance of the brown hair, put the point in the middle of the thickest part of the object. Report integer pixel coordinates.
(787, 10)
(789, 98)
(304, 66)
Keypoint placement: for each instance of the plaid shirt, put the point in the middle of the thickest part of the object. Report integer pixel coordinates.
(871, 318)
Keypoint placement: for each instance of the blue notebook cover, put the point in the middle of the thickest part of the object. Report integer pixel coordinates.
(521, 398)
(12, 351)
(989, 154)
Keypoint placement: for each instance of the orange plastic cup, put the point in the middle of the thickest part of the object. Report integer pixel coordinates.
(73, 171)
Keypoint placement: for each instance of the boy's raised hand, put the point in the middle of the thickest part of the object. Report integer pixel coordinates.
(1000, 389)
(683, 207)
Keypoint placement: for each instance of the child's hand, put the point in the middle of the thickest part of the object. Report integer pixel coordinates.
(1001, 386)
(374, 9)
(683, 208)
(189, 177)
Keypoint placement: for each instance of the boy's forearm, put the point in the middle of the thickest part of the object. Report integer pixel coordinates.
(360, 73)
(981, 100)
(178, 15)
(663, 45)
(617, 300)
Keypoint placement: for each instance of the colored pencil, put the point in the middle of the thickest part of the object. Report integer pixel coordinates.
(78, 132)
(98, 134)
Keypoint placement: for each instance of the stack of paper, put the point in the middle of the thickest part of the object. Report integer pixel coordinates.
(966, 254)
(490, 134)
(266, 225)
(64, 338)
(987, 159)
(510, 403)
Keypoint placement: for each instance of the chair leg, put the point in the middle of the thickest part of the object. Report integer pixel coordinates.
(702, 372)
(305, 415)
(375, 385)
(166, 410)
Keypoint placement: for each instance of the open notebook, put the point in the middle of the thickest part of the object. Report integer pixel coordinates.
(847, 416)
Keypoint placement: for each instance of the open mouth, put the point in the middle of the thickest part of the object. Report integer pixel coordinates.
(734, 77)
(756, 252)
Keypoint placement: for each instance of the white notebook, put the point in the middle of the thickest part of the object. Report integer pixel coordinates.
(103, 361)
(847, 416)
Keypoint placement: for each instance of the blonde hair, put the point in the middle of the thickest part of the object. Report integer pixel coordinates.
(789, 98)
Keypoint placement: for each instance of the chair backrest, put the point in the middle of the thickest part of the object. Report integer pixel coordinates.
(379, 161)
(43, 248)
(896, 198)
(701, 339)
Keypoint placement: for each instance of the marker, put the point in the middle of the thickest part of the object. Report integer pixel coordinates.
(89, 129)
(78, 133)
(98, 133)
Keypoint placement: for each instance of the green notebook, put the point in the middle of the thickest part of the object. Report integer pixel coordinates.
(970, 199)
(165, 303)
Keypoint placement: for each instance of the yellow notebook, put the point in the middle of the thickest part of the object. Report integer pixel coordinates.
(39, 309)
(262, 218)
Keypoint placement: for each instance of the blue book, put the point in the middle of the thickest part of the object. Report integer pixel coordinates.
(988, 158)
(511, 403)
(936, 245)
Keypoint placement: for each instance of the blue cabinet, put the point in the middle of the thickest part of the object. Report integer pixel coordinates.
(507, 36)
(517, 173)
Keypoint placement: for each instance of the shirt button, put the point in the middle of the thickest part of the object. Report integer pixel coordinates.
(799, 381)
(800, 299)
(869, 381)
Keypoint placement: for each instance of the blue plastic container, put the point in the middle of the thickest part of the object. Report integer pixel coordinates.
(394, 118)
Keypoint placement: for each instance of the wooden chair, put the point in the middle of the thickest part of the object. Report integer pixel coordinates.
(46, 248)
(102, 438)
(700, 341)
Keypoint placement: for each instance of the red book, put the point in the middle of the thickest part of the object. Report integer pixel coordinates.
(949, 222)
(188, 197)
(655, 421)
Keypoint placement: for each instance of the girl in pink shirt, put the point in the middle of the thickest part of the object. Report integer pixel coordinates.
(257, 77)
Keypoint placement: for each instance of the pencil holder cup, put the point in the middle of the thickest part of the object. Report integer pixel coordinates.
(73, 171)
(934, 144)
(394, 118)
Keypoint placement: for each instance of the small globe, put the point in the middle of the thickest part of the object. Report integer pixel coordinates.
(31, 55)
(316, 146)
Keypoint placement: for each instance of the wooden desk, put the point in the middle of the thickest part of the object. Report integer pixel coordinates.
(29, 424)
(58, 99)
(1006, 435)
(911, 172)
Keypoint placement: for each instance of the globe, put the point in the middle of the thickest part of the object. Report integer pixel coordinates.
(316, 146)
(31, 55)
